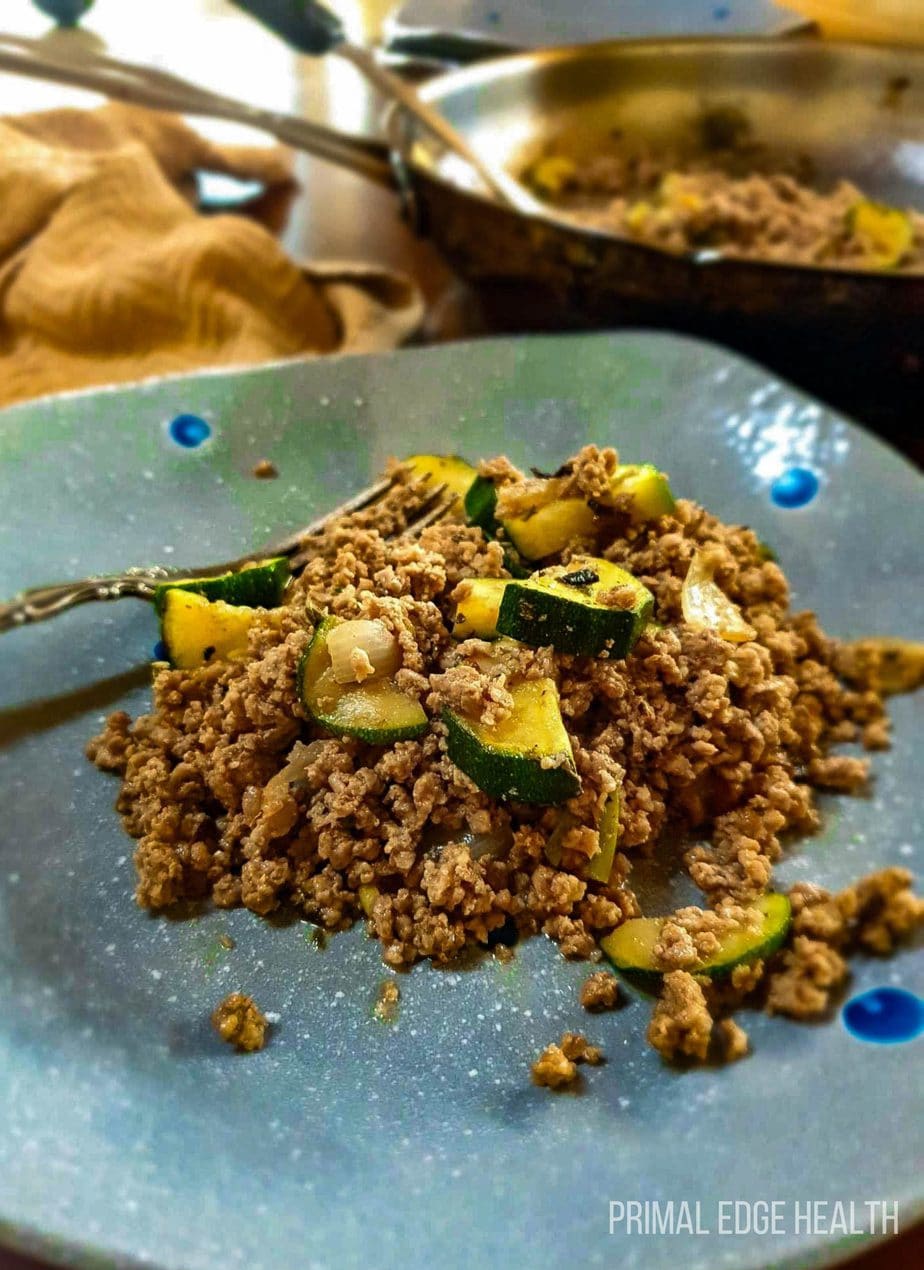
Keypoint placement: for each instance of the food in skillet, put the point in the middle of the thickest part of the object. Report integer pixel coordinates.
(726, 194)
(466, 737)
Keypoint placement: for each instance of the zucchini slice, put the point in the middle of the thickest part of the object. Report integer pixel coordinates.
(368, 894)
(376, 711)
(480, 504)
(648, 488)
(196, 630)
(549, 176)
(480, 510)
(631, 946)
(601, 865)
(258, 586)
(476, 610)
(887, 232)
(549, 528)
(561, 606)
(527, 757)
(444, 469)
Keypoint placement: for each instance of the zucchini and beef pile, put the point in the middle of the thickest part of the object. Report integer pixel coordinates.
(466, 736)
(729, 195)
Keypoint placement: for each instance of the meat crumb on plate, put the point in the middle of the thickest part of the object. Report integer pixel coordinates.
(238, 1020)
(600, 991)
(553, 1068)
(732, 1039)
(556, 1066)
(681, 1025)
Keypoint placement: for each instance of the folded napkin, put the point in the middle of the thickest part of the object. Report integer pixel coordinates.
(108, 273)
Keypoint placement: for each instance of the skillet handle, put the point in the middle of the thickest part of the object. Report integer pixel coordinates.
(161, 90)
(308, 27)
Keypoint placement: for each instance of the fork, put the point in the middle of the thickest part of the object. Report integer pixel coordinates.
(37, 604)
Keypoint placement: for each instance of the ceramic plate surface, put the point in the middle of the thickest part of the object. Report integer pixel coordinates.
(129, 1134)
(541, 23)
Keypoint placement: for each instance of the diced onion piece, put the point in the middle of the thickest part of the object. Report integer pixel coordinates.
(706, 606)
(496, 842)
(300, 757)
(360, 650)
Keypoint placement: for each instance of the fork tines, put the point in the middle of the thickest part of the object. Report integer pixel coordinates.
(433, 508)
(436, 501)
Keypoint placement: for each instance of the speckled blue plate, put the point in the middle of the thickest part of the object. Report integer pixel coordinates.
(130, 1135)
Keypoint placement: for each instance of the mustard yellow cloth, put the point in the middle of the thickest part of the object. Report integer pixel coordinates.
(108, 273)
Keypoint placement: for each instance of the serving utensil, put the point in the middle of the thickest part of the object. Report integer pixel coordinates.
(311, 28)
(37, 604)
(160, 90)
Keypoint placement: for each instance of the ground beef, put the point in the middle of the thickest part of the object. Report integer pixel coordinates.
(553, 1068)
(810, 973)
(234, 794)
(736, 197)
(238, 1021)
(681, 1024)
(732, 1040)
(574, 1046)
(839, 771)
(693, 935)
(600, 992)
(881, 910)
(556, 1066)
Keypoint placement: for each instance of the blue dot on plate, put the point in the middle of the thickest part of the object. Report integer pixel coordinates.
(161, 652)
(795, 487)
(885, 1015)
(190, 431)
(721, 12)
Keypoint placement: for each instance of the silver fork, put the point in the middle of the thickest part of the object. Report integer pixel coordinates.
(37, 604)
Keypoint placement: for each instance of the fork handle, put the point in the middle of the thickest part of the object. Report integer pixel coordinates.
(40, 603)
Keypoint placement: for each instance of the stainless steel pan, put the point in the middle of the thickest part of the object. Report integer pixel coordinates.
(852, 111)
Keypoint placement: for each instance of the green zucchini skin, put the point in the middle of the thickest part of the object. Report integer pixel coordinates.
(777, 925)
(600, 866)
(261, 587)
(648, 488)
(480, 508)
(538, 617)
(505, 776)
(481, 503)
(513, 562)
(313, 662)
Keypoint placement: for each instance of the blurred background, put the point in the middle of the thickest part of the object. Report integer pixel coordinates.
(335, 215)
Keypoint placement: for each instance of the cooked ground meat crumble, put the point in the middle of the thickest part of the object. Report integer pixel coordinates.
(236, 795)
(600, 992)
(238, 1021)
(735, 197)
(556, 1066)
